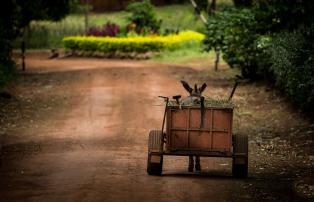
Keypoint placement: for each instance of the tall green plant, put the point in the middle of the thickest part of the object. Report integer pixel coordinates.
(143, 15)
(17, 14)
(235, 33)
(274, 39)
(9, 27)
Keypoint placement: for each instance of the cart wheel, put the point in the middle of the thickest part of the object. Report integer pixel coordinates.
(155, 152)
(240, 156)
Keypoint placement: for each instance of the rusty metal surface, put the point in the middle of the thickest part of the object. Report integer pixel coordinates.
(184, 132)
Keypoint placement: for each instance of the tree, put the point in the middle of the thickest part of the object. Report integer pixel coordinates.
(16, 15)
(42, 10)
(143, 15)
(243, 3)
(210, 9)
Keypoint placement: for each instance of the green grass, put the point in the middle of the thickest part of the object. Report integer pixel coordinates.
(182, 56)
(189, 56)
(182, 16)
(99, 19)
(179, 17)
(47, 35)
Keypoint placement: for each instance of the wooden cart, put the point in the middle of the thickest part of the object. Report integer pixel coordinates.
(185, 137)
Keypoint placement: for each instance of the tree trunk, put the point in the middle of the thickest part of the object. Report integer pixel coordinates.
(212, 8)
(198, 11)
(23, 48)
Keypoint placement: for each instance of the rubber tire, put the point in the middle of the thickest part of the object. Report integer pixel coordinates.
(240, 145)
(154, 141)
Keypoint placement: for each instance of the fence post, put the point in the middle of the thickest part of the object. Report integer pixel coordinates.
(86, 16)
(23, 48)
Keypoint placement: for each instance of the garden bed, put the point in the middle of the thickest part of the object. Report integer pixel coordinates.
(130, 47)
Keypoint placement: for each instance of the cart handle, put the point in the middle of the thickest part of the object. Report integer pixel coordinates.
(238, 79)
(163, 121)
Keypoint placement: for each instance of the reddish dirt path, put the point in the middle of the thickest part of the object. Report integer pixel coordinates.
(83, 130)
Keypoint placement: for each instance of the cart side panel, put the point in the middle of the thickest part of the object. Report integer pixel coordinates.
(221, 119)
(222, 129)
(179, 139)
(199, 140)
(221, 141)
(184, 132)
(179, 119)
(195, 119)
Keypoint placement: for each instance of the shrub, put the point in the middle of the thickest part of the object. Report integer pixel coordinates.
(262, 42)
(237, 33)
(109, 29)
(139, 44)
(7, 70)
(7, 66)
(144, 17)
(95, 31)
(234, 32)
(243, 3)
(77, 7)
(292, 58)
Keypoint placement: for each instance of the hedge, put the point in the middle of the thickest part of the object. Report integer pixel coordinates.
(140, 44)
(292, 63)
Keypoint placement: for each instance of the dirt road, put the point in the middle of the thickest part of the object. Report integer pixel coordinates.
(77, 129)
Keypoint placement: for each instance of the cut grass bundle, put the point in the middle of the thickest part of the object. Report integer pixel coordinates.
(209, 103)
